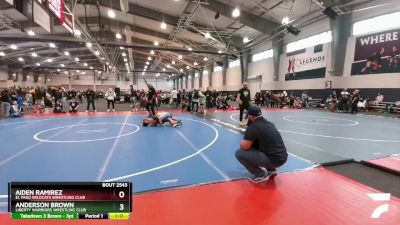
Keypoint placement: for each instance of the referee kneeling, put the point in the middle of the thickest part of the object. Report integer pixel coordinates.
(262, 147)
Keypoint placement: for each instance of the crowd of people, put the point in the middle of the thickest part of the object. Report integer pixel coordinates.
(15, 100)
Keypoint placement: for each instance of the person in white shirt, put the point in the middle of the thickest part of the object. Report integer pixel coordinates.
(379, 98)
(110, 96)
(174, 96)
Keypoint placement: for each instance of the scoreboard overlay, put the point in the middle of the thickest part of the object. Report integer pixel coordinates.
(70, 200)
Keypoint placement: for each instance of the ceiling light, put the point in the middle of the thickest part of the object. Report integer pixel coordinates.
(89, 44)
(207, 35)
(66, 72)
(13, 47)
(187, 67)
(78, 71)
(107, 63)
(145, 67)
(181, 70)
(123, 54)
(49, 60)
(37, 64)
(66, 53)
(158, 74)
(285, 20)
(205, 59)
(173, 62)
(236, 12)
(77, 32)
(2, 54)
(97, 52)
(102, 58)
(83, 72)
(195, 63)
(142, 73)
(245, 39)
(52, 45)
(168, 66)
(77, 59)
(31, 33)
(147, 63)
(219, 51)
(125, 59)
(179, 57)
(62, 65)
(20, 59)
(163, 25)
(121, 47)
(34, 54)
(58, 70)
(91, 67)
(163, 69)
(111, 13)
(156, 43)
(118, 35)
(149, 58)
(152, 52)
(190, 49)
(85, 64)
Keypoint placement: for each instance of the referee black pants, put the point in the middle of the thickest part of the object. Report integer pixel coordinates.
(243, 107)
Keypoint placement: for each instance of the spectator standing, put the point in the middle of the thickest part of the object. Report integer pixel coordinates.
(174, 96)
(304, 99)
(110, 96)
(343, 100)
(209, 97)
(354, 101)
(6, 102)
(90, 97)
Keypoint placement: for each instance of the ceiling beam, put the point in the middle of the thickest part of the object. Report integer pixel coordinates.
(80, 42)
(256, 22)
(149, 14)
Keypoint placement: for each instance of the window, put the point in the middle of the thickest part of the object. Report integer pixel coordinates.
(263, 55)
(318, 39)
(234, 63)
(377, 23)
(196, 74)
(205, 72)
(217, 68)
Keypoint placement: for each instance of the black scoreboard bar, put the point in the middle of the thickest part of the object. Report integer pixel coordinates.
(70, 200)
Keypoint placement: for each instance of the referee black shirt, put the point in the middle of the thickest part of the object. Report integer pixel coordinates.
(267, 139)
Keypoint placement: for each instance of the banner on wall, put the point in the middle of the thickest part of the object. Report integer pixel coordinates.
(377, 53)
(307, 64)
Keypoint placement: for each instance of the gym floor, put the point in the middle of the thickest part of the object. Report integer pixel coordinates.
(189, 174)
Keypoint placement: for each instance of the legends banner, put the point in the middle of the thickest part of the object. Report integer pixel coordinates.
(308, 63)
(377, 53)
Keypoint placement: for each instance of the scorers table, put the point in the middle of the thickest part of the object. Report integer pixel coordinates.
(70, 200)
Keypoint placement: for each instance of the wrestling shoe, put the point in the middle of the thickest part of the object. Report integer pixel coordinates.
(179, 123)
(272, 173)
(259, 179)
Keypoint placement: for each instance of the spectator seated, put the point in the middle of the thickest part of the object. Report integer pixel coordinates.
(15, 111)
